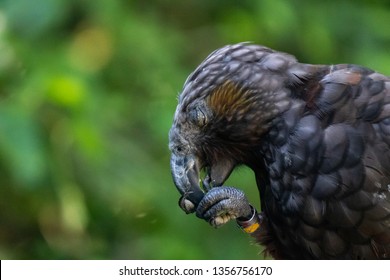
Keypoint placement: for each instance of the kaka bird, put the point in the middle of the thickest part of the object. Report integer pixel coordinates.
(317, 138)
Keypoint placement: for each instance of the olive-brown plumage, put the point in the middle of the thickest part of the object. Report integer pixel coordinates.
(317, 138)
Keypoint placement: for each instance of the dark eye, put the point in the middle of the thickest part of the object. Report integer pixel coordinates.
(198, 117)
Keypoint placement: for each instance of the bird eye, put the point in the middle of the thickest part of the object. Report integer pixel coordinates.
(198, 117)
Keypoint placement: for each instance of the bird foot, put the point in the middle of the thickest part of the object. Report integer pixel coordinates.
(221, 204)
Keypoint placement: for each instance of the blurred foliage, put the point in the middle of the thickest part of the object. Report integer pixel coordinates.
(87, 94)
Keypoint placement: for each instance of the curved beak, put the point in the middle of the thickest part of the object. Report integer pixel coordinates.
(185, 174)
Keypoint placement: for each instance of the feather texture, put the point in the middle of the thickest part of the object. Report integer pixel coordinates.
(317, 138)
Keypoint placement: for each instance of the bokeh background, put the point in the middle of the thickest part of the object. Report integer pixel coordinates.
(87, 94)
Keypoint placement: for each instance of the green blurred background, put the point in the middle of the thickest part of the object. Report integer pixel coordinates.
(87, 94)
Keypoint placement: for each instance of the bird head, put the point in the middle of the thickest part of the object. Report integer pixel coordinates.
(226, 106)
